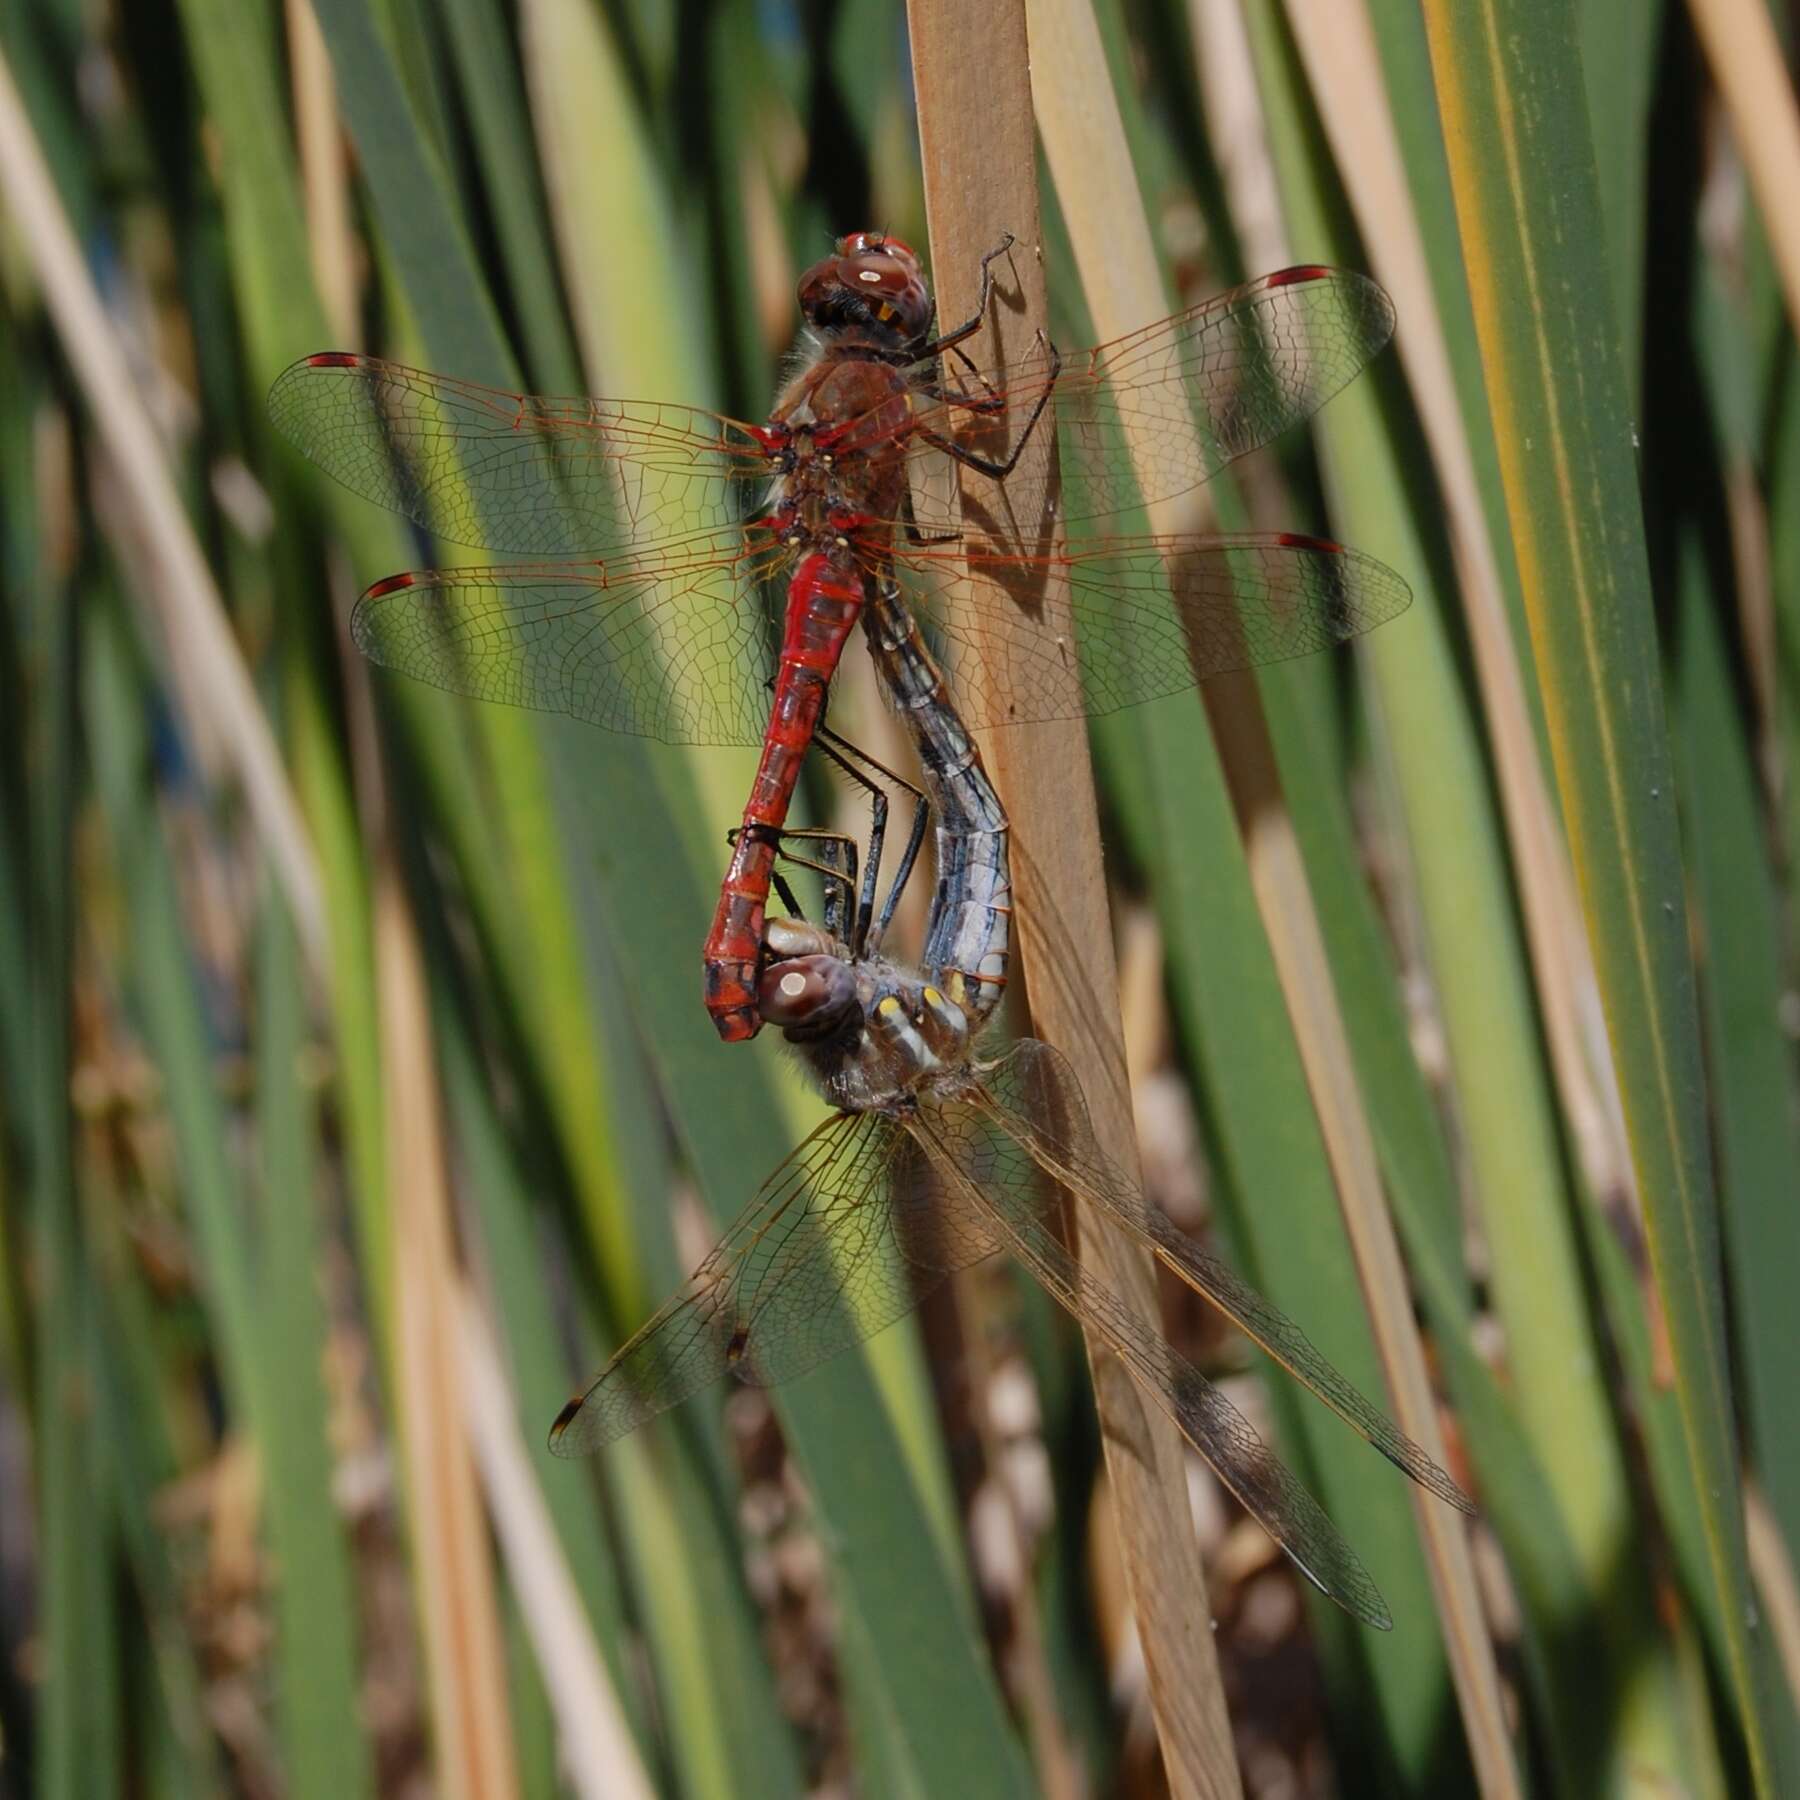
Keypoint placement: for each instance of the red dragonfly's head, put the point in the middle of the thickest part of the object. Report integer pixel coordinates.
(871, 287)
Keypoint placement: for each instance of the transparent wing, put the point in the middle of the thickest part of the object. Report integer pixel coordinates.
(836, 1246)
(1032, 1095)
(1196, 391)
(542, 476)
(669, 647)
(1152, 616)
(520, 473)
(980, 1168)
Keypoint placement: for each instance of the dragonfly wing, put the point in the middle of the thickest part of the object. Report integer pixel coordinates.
(995, 1176)
(653, 646)
(520, 473)
(1154, 415)
(832, 1250)
(1034, 1097)
(1152, 616)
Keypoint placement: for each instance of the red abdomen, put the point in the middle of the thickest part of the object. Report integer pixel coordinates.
(824, 600)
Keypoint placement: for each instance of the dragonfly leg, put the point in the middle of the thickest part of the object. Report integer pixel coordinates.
(839, 878)
(970, 326)
(989, 400)
(849, 915)
(986, 465)
(871, 928)
(786, 894)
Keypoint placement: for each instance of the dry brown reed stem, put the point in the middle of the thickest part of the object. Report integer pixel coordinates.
(1096, 185)
(1343, 66)
(224, 718)
(975, 119)
(465, 1660)
(1746, 60)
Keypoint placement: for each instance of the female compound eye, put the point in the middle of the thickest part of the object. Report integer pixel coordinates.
(811, 993)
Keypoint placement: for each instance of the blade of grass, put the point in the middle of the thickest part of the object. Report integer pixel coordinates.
(1737, 910)
(282, 318)
(326, 1752)
(173, 1019)
(1621, 41)
(1279, 1213)
(1503, 1105)
(269, 1333)
(70, 1763)
(1363, 117)
(1092, 176)
(324, 168)
(1509, 85)
(974, 85)
(488, 70)
(133, 1377)
(227, 725)
(1277, 1207)
(279, 309)
(1726, 636)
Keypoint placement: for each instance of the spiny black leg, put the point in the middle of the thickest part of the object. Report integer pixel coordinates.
(915, 842)
(836, 868)
(985, 465)
(873, 929)
(839, 886)
(846, 755)
(989, 400)
(972, 325)
(786, 893)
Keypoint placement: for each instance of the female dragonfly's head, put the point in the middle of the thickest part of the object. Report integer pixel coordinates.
(870, 288)
(874, 1034)
(812, 998)
(808, 986)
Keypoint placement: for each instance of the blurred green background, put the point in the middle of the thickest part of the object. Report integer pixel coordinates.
(355, 1093)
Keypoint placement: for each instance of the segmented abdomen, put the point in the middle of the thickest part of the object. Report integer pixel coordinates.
(968, 933)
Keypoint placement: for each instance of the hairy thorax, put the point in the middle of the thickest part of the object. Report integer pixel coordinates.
(847, 417)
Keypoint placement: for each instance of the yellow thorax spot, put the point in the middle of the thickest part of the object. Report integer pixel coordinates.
(933, 997)
(888, 1007)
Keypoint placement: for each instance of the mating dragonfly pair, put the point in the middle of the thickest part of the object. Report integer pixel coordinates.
(889, 467)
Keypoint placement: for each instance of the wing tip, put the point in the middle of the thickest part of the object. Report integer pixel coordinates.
(1299, 272)
(1301, 540)
(560, 1442)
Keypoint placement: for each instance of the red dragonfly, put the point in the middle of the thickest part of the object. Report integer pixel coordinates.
(872, 471)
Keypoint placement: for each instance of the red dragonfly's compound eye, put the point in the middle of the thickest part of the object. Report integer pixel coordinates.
(860, 243)
(872, 286)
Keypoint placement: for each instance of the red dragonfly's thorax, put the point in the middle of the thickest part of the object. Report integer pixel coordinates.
(846, 421)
